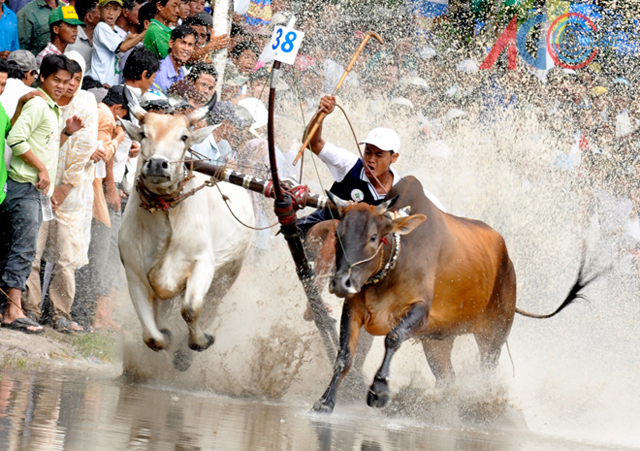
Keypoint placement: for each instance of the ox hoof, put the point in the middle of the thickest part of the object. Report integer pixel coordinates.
(378, 394)
(156, 345)
(182, 360)
(200, 348)
(322, 407)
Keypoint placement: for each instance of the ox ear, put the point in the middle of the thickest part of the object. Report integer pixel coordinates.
(134, 131)
(133, 105)
(339, 203)
(387, 204)
(197, 136)
(404, 226)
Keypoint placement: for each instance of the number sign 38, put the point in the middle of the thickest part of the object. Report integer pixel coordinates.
(284, 45)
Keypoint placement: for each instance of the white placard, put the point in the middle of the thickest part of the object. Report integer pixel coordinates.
(284, 45)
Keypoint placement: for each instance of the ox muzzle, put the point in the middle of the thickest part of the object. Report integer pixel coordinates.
(158, 169)
(342, 284)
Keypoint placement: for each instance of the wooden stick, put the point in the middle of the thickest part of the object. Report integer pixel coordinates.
(321, 116)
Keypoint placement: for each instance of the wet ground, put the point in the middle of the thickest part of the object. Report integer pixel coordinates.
(86, 410)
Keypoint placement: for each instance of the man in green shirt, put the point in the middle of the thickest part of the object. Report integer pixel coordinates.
(159, 31)
(35, 141)
(33, 24)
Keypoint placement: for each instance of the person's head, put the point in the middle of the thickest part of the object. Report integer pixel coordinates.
(195, 7)
(88, 12)
(380, 151)
(182, 43)
(63, 25)
(236, 35)
(76, 79)
(55, 75)
(204, 77)
(183, 9)
(141, 68)
(145, 14)
(116, 102)
(186, 89)
(5, 67)
(26, 67)
(245, 56)
(110, 11)
(167, 11)
(130, 10)
(202, 23)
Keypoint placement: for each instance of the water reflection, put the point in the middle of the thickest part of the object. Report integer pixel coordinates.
(42, 411)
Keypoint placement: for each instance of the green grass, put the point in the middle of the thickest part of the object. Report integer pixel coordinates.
(100, 344)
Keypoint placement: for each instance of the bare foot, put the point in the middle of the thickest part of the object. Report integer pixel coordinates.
(308, 313)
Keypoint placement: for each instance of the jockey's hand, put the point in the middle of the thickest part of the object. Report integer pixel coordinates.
(327, 104)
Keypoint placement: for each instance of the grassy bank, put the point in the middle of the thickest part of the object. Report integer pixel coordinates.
(51, 348)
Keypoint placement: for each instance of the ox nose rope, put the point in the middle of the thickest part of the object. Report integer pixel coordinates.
(390, 265)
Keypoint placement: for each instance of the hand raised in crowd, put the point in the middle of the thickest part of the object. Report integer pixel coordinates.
(219, 42)
(74, 124)
(113, 199)
(59, 195)
(134, 150)
(327, 104)
(30, 95)
(43, 180)
(98, 155)
(231, 164)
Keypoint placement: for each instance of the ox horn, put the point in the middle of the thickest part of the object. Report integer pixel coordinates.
(339, 203)
(197, 115)
(383, 207)
(133, 105)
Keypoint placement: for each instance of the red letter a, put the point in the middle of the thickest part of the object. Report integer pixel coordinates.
(507, 38)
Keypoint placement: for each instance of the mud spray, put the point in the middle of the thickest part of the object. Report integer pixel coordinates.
(573, 376)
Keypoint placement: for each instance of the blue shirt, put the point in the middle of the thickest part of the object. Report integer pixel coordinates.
(8, 30)
(167, 75)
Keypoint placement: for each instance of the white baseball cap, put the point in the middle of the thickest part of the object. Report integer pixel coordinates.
(383, 139)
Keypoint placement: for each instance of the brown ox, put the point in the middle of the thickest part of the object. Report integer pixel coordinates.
(451, 276)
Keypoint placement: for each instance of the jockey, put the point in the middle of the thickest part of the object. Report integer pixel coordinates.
(367, 179)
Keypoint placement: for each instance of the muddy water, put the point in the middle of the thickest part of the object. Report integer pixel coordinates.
(42, 411)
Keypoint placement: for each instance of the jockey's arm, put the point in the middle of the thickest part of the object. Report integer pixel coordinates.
(327, 105)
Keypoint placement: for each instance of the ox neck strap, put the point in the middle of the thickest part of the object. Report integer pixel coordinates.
(391, 263)
(154, 202)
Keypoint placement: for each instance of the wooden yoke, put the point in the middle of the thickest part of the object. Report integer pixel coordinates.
(321, 116)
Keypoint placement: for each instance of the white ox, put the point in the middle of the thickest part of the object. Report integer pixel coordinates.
(191, 252)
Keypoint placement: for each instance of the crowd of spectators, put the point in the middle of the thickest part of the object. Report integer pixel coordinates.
(69, 166)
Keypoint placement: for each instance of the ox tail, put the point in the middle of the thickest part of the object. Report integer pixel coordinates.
(574, 294)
